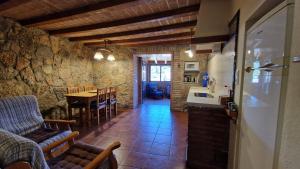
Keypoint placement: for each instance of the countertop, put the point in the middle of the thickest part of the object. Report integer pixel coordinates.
(192, 100)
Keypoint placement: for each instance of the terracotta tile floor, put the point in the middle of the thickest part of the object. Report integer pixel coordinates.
(152, 137)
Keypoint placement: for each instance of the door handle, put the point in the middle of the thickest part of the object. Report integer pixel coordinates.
(267, 67)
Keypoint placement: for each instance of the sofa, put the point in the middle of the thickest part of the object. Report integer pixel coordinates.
(17, 152)
(28, 141)
(20, 115)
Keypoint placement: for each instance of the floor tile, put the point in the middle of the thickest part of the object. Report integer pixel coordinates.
(151, 137)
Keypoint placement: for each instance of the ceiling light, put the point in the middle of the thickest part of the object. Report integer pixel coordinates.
(111, 57)
(190, 53)
(98, 56)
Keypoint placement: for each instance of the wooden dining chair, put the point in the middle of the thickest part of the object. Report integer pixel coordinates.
(89, 87)
(112, 101)
(76, 104)
(100, 105)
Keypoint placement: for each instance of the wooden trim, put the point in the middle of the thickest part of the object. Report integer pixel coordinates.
(19, 165)
(143, 18)
(60, 121)
(72, 12)
(139, 31)
(205, 51)
(151, 38)
(70, 138)
(210, 39)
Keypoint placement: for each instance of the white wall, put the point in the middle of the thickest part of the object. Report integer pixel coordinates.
(216, 11)
(220, 66)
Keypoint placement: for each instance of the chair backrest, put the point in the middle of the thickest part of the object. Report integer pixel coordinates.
(71, 90)
(112, 92)
(89, 87)
(20, 114)
(101, 95)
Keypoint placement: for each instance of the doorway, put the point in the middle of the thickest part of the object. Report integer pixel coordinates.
(155, 82)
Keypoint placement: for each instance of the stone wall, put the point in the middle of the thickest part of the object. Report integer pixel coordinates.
(32, 62)
(118, 73)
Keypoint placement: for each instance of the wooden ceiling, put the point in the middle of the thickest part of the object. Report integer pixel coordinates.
(122, 22)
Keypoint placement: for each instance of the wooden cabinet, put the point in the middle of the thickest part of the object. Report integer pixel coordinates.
(208, 137)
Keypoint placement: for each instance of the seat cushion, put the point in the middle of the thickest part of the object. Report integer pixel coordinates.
(42, 134)
(78, 156)
(100, 105)
(54, 138)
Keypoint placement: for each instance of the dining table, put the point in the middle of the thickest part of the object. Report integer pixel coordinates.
(86, 97)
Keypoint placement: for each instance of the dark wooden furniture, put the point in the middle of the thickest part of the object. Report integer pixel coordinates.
(100, 104)
(86, 99)
(75, 104)
(208, 137)
(112, 101)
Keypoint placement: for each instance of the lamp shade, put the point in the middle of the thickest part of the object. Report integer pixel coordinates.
(111, 57)
(98, 56)
(190, 53)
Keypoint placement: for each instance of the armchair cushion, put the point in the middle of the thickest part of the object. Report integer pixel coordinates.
(55, 138)
(14, 148)
(20, 115)
(78, 156)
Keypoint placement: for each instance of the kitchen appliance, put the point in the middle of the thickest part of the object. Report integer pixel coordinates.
(266, 58)
(191, 66)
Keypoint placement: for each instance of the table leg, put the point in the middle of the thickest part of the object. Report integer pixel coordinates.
(69, 111)
(88, 114)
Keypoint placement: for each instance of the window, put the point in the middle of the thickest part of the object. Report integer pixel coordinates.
(165, 73)
(144, 73)
(160, 73)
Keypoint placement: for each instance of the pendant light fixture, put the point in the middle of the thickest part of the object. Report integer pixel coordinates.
(99, 53)
(189, 52)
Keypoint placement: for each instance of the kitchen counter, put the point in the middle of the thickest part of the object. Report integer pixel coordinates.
(208, 124)
(192, 100)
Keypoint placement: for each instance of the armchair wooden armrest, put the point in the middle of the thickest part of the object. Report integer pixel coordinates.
(69, 139)
(103, 155)
(19, 165)
(59, 124)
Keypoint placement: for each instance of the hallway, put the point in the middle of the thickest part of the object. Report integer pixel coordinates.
(151, 137)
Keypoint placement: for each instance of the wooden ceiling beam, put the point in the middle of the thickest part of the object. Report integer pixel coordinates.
(143, 18)
(169, 42)
(151, 38)
(204, 51)
(72, 12)
(210, 39)
(9, 4)
(139, 31)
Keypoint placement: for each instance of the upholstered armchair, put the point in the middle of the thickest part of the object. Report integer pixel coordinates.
(17, 152)
(21, 115)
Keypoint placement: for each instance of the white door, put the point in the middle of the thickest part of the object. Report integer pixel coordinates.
(261, 93)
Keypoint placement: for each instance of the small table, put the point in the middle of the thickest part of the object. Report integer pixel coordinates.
(83, 97)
